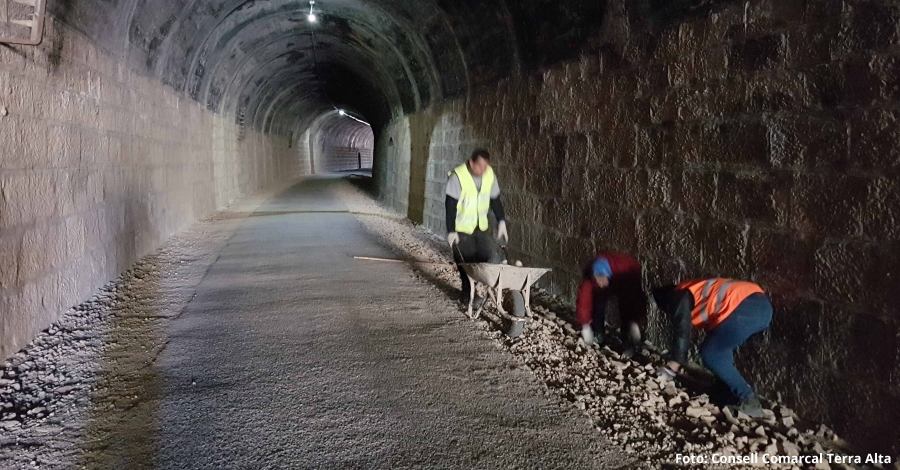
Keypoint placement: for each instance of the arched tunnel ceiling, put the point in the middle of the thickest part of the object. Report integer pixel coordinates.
(263, 63)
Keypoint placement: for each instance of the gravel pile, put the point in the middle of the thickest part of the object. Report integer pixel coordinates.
(652, 420)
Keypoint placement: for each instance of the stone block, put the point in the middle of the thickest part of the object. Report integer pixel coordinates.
(881, 218)
(873, 137)
(579, 150)
(794, 318)
(634, 189)
(573, 186)
(872, 26)
(737, 142)
(615, 228)
(619, 145)
(697, 192)
(24, 141)
(779, 91)
(829, 204)
(724, 248)
(559, 215)
(610, 185)
(810, 141)
(655, 233)
(653, 148)
(74, 237)
(664, 270)
(846, 272)
(63, 192)
(750, 55)
(810, 45)
(865, 409)
(826, 85)
(873, 346)
(754, 196)
(782, 262)
(63, 146)
(887, 69)
(660, 191)
(10, 245)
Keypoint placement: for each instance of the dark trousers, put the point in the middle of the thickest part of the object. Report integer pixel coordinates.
(750, 317)
(631, 298)
(625, 287)
(479, 247)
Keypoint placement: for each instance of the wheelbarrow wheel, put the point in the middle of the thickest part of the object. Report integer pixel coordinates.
(514, 303)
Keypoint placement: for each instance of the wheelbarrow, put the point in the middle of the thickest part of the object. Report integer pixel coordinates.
(498, 277)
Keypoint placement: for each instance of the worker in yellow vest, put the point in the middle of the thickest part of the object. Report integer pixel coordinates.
(730, 311)
(472, 190)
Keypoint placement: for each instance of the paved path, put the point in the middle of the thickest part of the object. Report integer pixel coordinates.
(293, 355)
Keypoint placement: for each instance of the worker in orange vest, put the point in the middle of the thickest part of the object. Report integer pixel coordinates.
(730, 311)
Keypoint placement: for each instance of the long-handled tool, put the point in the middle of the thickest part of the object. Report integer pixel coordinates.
(390, 260)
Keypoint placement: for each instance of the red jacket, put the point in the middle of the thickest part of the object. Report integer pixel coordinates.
(626, 277)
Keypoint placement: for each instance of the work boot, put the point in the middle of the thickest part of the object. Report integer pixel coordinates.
(750, 406)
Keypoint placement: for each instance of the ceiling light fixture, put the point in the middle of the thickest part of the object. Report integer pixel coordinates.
(312, 16)
(344, 113)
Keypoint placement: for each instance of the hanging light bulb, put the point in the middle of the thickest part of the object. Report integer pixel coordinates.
(341, 112)
(312, 16)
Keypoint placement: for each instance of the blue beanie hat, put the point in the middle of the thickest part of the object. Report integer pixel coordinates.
(601, 268)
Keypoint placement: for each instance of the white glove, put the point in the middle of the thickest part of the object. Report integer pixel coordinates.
(665, 373)
(501, 231)
(452, 238)
(587, 334)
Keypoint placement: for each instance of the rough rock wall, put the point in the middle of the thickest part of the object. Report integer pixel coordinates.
(98, 166)
(754, 140)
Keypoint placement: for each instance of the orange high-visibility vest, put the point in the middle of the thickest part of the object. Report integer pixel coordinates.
(716, 298)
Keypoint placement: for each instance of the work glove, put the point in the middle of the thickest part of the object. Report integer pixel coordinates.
(665, 373)
(501, 231)
(587, 334)
(453, 238)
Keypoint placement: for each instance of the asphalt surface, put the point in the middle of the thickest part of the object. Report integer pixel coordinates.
(294, 355)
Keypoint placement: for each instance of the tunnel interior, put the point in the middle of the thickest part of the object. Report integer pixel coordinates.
(744, 139)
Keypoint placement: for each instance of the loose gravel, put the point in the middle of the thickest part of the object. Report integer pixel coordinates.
(652, 419)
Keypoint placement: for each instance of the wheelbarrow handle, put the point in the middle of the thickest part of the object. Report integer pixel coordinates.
(455, 246)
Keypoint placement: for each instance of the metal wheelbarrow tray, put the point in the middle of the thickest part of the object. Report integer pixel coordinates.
(498, 277)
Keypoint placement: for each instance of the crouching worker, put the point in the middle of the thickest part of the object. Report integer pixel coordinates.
(472, 191)
(612, 274)
(730, 311)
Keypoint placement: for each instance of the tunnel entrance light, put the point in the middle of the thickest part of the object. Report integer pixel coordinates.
(312, 16)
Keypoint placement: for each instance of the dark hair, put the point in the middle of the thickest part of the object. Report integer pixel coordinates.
(480, 153)
(664, 297)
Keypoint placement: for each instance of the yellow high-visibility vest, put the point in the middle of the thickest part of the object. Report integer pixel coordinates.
(472, 208)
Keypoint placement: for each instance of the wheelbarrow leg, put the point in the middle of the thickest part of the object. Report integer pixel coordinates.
(490, 294)
(471, 297)
(527, 294)
(498, 300)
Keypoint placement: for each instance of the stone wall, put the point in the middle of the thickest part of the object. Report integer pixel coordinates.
(754, 140)
(99, 165)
